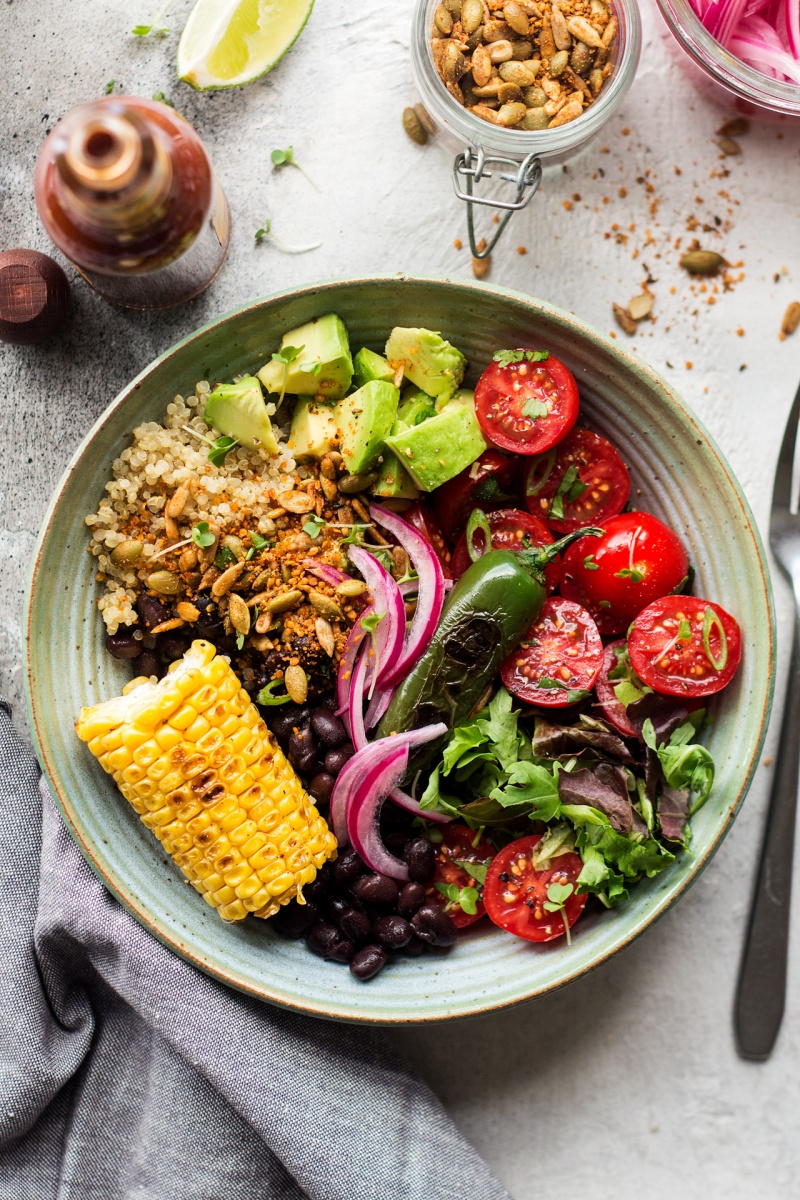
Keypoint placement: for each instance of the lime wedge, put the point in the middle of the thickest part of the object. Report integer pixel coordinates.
(230, 42)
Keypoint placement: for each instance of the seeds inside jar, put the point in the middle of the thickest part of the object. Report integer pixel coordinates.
(483, 61)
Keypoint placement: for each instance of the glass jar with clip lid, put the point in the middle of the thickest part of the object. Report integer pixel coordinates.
(486, 149)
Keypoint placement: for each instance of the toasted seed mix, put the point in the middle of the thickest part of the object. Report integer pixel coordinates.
(486, 48)
(791, 319)
(414, 127)
(702, 262)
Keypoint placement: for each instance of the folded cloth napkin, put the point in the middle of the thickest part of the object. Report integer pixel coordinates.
(126, 1074)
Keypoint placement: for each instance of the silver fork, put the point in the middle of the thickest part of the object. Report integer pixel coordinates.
(761, 991)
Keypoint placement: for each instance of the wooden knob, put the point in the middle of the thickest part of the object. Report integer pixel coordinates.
(34, 297)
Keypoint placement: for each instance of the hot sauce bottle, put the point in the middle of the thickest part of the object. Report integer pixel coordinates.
(125, 189)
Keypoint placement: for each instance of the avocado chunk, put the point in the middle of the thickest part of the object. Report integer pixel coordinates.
(427, 360)
(437, 449)
(313, 433)
(394, 481)
(238, 409)
(367, 365)
(364, 420)
(415, 406)
(321, 366)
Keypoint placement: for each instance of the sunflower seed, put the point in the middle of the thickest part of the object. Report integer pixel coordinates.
(561, 35)
(641, 306)
(325, 636)
(187, 612)
(295, 502)
(572, 109)
(296, 682)
(501, 52)
(221, 586)
(177, 502)
(580, 28)
(481, 66)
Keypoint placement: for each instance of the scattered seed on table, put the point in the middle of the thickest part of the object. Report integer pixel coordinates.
(729, 147)
(702, 262)
(413, 127)
(791, 319)
(624, 319)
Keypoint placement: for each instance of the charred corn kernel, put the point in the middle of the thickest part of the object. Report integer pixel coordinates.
(193, 757)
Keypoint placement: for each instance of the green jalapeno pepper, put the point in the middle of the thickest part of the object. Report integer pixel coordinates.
(486, 615)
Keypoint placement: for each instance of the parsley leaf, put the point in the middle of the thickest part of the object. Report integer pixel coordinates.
(507, 357)
(219, 451)
(570, 488)
(225, 558)
(266, 695)
(202, 535)
(534, 409)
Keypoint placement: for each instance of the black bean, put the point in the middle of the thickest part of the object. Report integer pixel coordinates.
(432, 924)
(368, 961)
(335, 759)
(151, 611)
(321, 787)
(317, 890)
(420, 856)
(148, 664)
(412, 897)
(392, 931)
(348, 866)
(283, 720)
(293, 919)
(335, 907)
(328, 728)
(328, 941)
(376, 889)
(414, 947)
(303, 751)
(171, 647)
(355, 925)
(396, 842)
(123, 645)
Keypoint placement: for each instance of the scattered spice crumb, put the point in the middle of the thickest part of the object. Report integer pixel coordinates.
(458, 243)
(623, 191)
(522, 249)
(567, 204)
(740, 333)
(768, 761)
(495, 219)
(626, 132)
(481, 266)
(576, 197)
(689, 366)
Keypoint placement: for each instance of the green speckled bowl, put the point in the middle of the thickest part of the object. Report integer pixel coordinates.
(678, 473)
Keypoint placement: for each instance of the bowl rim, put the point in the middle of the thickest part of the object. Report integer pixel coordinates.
(116, 885)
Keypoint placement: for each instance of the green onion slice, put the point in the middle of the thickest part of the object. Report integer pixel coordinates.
(710, 620)
(477, 520)
(547, 462)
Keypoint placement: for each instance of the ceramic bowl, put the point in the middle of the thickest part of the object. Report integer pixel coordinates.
(678, 473)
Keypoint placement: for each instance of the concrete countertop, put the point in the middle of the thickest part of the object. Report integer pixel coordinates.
(627, 1083)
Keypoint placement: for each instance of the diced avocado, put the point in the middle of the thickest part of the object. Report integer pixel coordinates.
(367, 365)
(321, 366)
(394, 480)
(415, 406)
(427, 360)
(364, 420)
(437, 449)
(238, 409)
(313, 433)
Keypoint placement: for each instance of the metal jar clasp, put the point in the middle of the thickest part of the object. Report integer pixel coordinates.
(471, 166)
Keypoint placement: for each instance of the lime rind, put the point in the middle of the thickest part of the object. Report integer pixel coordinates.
(211, 22)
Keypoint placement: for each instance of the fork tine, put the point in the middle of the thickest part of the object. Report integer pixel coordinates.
(782, 490)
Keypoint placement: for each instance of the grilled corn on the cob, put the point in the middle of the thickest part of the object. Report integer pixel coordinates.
(199, 765)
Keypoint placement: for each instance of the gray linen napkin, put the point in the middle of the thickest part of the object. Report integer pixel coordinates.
(126, 1074)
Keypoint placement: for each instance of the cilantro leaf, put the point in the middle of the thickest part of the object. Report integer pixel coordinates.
(507, 357)
(570, 488)
(355, 537)
(534, 409)
(110, 86)
(468, 900)
(239, 641)
(287, 354)
(632, 573)
(162, 99)
(225, 558)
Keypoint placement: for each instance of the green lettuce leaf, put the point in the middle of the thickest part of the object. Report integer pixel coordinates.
(685, 763)
(528, 782)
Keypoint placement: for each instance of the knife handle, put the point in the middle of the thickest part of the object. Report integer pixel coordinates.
(761, 991)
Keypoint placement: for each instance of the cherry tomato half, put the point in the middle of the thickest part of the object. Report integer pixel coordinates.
(457, 847)
(637, 560)
(424, 522)
(493, 481)
(684, 646)
(613, 709)
(562, 647)
(516, 893)
(583, 477)
(512, 529)
(526, 406)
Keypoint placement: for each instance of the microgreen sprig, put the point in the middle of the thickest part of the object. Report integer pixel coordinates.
(286, 158)
(162, 99)
(153, 28)
(557, 896)
(314, 527)
(286, 355)
(202, 535)
(265, 232)
(220, 449)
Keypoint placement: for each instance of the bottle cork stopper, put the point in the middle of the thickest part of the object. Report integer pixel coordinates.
(34, 297)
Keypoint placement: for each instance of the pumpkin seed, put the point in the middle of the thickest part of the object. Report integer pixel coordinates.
(239, 613)
(127, 552)
(791, 319)
(283, 601)
(455, 90)
(736, 127)
(534, 97)
(296, 682)
(624, 319)
(453, 7)
(558, 25)
(413, 127)
(453, 63)
(496, 31)
(557, 64)
(490, 91)
(535, 118)
(325, 636)
(350, 484)
(518, 73)
(261, 580)
(522, 51)
(351, 587)
(295, 502)
(221, 586)
(580, 28)
(581, 58)
(702, 262)
(481, 66)
(599, 10)
(729, 147)
(511, 114)
(501, 52)
(471, 15)
(596, 80)
(508, 93)
(187, 612)
(475, 39)
(443, 21)
(164, 583)
(641, 306)
(517, 18)
(547, 45)
(325, 606)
